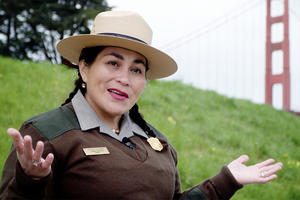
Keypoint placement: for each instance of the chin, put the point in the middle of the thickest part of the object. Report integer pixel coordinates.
(117, 112)
(118, 109)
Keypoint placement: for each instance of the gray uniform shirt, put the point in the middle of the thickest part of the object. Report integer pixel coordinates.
(88, 119)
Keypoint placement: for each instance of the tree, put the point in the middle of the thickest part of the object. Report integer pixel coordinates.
(30, 29)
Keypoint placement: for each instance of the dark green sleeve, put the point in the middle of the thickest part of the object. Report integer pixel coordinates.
(194, 194)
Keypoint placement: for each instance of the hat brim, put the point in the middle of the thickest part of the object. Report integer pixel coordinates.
(160, 64)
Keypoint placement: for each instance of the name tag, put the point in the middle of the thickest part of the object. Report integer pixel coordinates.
(95, 151)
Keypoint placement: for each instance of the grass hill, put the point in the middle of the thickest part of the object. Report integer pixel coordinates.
(208, 130)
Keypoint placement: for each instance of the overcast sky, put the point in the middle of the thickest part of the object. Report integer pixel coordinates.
(171, 19)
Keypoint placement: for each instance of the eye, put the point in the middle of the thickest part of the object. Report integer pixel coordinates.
(113, 63)
(136, 70)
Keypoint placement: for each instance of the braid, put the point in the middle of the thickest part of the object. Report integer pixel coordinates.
(78, 82)
(139, 120)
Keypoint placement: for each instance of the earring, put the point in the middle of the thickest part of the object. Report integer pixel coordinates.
(83, 85)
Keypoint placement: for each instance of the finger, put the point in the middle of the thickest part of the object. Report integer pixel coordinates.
(269, 167)
(17, 139)
(242, 159)
(28, 151)
(270, 170)
(267, 179)
(38, 151)
(264, 163)
(48, 161)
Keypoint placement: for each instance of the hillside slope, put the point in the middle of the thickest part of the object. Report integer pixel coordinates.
(208, 130)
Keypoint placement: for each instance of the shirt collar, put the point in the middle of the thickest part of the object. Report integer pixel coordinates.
(88, 119)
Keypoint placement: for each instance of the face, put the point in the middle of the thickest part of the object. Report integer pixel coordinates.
(114, 81)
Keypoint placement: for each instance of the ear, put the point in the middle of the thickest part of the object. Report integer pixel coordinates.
(83, 70)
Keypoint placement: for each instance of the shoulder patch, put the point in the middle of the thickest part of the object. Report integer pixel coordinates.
(55, 122)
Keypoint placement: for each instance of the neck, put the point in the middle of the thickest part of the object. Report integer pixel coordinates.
(112, 123)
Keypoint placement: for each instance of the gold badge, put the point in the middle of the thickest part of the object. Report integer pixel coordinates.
(95, 151)
(155, 144)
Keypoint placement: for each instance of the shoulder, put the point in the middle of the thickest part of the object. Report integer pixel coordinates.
(157, 132)
(163, 138)
(55, 122)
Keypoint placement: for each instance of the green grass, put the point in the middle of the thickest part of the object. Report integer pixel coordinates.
(208, 130)
(28, 89)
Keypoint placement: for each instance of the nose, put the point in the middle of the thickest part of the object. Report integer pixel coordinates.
(123, 77)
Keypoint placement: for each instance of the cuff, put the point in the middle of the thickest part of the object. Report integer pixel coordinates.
(225, 183)
(29, 185)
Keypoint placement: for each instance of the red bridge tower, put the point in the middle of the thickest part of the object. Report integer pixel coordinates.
(284, 77)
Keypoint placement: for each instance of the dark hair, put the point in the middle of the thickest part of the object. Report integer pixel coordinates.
(89, 55)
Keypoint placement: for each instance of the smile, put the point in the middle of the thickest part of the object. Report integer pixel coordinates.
(117, 94)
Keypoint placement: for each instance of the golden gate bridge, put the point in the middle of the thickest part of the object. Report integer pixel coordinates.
(252, 52)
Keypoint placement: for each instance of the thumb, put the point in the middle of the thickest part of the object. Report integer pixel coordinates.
(242, 159)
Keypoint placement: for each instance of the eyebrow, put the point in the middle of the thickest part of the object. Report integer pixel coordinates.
(119, 56)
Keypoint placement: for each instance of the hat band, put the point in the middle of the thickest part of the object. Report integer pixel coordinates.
(122, 36)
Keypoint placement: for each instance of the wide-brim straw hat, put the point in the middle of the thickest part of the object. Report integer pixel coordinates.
(124, 29)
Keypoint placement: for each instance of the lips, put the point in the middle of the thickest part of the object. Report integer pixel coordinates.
(117, 93)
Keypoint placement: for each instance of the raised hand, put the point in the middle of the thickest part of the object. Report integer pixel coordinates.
(31, 160)
(262, 172)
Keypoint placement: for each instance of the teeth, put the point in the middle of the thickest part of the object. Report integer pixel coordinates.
(116, 92)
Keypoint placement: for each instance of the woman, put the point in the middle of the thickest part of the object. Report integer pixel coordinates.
(97, 145)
